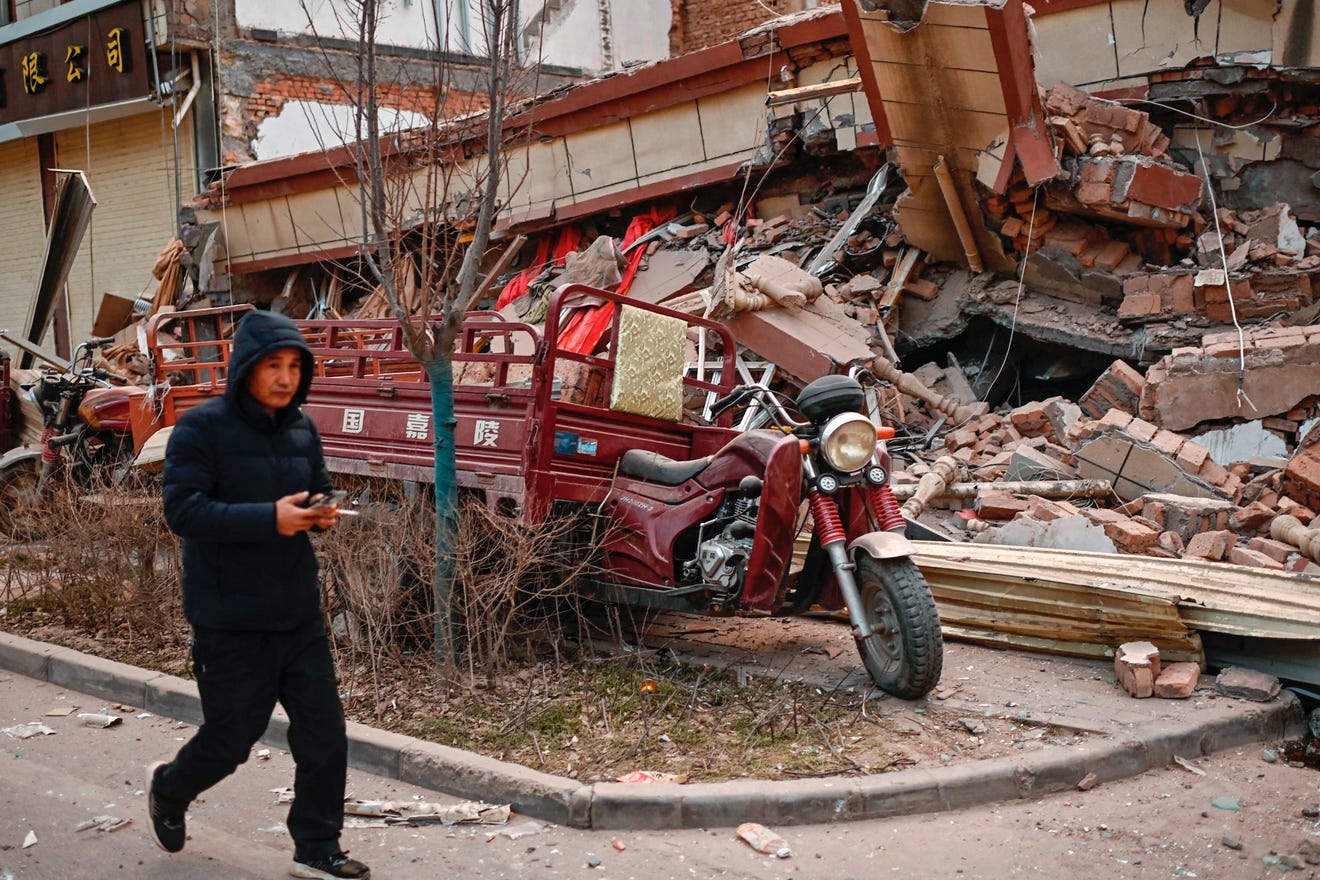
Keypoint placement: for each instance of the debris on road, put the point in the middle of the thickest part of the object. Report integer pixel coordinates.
(645, 776)
(763, 840)
(102, 823)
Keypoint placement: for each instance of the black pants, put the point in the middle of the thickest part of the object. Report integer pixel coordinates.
(240, 675)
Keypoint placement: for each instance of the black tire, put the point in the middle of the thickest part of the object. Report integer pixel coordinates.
(905, 653)
(22, 515)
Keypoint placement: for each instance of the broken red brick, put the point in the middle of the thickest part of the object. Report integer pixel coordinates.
(1254, 558)
(991, 504)
(1030, 419)
(1137, 665)
(1116, 418)
(1167, 442)
(1213, 472)
(1177, 681)
(1130, 536)
(1094, 193)
(960, 439)
(1210, 545)
(1102, 515)
(1111, 255)
(1192, 455)
(1139, 429)
(1253, 517)
(921, 288)
(1172, 542)
(1163, 186)
(1045, 510)
(1139, 305)
(1276, 550)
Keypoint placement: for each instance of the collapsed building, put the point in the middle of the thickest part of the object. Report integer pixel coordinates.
(1079, 241)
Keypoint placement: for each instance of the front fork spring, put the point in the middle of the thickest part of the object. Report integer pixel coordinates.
(885, 509)
(825, 518)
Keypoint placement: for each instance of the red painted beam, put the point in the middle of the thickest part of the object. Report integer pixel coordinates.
(866, 70)
(1017, 78)
(667, 83)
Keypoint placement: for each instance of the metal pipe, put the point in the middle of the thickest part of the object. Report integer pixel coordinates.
(959, 216)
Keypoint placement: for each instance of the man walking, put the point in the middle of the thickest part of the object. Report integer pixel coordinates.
(239, 473)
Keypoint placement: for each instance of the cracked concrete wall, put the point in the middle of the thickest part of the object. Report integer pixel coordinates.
(1108, 42)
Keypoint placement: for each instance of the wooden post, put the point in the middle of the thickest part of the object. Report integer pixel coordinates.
(1290, 530)
(931, 485)
(1043, 488)
(912, 386)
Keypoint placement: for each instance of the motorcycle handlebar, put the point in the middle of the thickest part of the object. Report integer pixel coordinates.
(62, 440)
(729, 400)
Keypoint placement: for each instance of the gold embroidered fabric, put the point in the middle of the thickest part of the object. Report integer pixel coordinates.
(648, 367)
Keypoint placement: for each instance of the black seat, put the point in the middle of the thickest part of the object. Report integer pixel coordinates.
(656, 468)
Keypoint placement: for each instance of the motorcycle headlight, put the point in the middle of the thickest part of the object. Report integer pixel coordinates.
(847, 442)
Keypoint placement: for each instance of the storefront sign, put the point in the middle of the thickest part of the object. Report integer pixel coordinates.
(95, 60)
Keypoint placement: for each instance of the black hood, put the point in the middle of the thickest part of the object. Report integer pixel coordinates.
(259, 333)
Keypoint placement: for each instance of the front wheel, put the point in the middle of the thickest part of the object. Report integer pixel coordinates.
(905, 652)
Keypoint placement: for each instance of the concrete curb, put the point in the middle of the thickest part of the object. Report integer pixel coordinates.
(605, 805)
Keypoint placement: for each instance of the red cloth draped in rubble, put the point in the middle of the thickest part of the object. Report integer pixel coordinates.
(569, 239)
(587, 325)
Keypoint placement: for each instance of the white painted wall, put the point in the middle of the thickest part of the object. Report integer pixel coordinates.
(303, 126)
(639, 33)
(640, 28)
(403, 22)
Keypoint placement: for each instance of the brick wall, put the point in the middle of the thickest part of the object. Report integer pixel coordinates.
(244, 113)
(698, 24)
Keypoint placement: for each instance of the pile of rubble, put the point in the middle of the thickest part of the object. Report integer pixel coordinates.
(1211, 496)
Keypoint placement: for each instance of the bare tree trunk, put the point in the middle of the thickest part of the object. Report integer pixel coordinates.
(447, 284)
(440, 371)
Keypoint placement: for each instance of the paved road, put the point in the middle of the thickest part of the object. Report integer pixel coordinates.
(1160, 825)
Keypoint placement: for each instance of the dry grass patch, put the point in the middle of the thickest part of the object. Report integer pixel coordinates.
(530, 685)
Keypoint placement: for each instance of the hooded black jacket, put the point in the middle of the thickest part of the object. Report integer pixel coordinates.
(226, 463)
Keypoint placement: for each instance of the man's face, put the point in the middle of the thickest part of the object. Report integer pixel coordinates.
(274, 380)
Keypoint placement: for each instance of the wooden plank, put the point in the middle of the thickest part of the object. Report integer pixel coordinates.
(921, 86)
(1211, 596)
(965, 48)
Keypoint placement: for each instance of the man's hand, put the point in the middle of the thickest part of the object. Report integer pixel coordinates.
(291, 517)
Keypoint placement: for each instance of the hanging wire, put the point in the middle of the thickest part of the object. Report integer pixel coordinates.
(1274, 107)
(1219, 232)
(1228, 287)
(1017, 297)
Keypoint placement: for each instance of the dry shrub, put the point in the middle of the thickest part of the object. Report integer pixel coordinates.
(376, 575)
(519, 590)
(515, 593)
(105, 562)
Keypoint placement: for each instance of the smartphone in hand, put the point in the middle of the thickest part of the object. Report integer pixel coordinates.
(333, 498)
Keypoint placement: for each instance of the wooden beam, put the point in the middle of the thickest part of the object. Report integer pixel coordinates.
(1211, 596)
